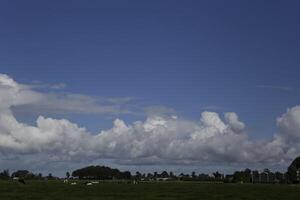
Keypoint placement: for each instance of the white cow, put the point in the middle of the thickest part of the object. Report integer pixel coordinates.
(95, 182)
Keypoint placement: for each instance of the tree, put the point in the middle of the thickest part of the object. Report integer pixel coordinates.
(21, 173)
(40, 175)
(100, 172)
(126, 175)
(149, 175)
(217, 175)
(4, 175)
(203, 177)
(25, 174)
(193, 174)
(138, 175)
(68, 175)
(171, 174)
(50, 177)
(247, 175)
(164, 174)
(255, 176)
(280, 177)
(294, 171)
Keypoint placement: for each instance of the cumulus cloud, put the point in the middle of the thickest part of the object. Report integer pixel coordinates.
(289, 124)
(159, 139)
(23, 98)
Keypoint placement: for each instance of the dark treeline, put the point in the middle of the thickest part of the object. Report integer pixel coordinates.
(100, 173)
(25, 174)
(106, 173)
(244, 176)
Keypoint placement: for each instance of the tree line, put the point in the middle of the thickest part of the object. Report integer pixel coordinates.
(100, 173)
(25, 174)
(106, 173)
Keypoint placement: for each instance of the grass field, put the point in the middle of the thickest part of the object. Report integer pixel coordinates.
(40, 190)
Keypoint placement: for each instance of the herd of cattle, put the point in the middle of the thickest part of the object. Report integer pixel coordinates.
(67, 181)
(89, 183)
(85, 183)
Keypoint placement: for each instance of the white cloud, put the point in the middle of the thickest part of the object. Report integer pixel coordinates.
(158, 139)
(22, 98)
(289, 124)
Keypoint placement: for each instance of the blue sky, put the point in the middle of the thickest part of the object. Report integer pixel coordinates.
(190, 56)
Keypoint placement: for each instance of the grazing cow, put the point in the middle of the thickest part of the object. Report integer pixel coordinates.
(88, 183)
(95, 182)
(74, 183)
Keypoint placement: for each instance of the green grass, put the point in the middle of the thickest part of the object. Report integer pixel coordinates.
(53, 190)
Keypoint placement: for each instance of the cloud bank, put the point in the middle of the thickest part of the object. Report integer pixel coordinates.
(157, 140)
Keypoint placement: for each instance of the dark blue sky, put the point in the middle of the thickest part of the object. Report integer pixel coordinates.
(241, 56)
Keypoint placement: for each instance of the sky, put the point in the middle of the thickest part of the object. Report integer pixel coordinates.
(149, 85)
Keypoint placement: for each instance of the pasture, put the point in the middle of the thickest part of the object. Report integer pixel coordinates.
(57, 190)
